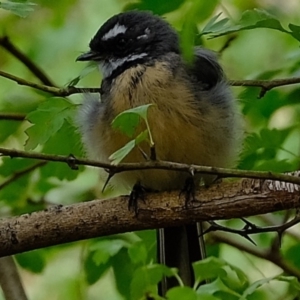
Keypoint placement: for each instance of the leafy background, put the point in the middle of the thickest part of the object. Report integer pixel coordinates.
(256, 40)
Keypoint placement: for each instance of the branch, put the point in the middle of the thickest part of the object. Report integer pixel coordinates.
(251, 228)
(12, 116)
(293, 178)
(271, 256)
(265, 85)
(21, 173)
(62, 224)
(62, 92)
(10, 281)
(36, 70)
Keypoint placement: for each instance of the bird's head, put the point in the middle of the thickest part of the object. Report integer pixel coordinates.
(130, 38)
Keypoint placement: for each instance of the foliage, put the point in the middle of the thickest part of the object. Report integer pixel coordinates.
(255, 43)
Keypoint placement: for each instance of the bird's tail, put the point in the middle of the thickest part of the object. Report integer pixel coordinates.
(179, 247)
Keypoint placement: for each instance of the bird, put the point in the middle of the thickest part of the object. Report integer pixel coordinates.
(194, 120)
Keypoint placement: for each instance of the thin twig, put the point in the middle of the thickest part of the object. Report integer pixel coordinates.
(265, 85)
(272, 221)
(251, 228)
(35, 69)
(12, 116)
(21, 173)
(273, 257)
(162, 165)
(62, 92)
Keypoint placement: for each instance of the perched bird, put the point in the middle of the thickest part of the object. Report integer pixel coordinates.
(194, 120)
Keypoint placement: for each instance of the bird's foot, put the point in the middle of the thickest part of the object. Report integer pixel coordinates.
(189, 190)
(138, 193)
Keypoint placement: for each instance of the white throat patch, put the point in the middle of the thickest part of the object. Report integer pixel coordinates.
(108, 67)
(117, 29)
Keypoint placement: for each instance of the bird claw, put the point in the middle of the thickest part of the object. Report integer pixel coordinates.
(138, 193)
(189, 190)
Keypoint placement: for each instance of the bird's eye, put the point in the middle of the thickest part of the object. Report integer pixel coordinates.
(122, 43)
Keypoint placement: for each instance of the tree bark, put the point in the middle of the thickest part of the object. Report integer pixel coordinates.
(62, 224)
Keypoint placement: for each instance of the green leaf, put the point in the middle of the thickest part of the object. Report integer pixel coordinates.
(33, 261)
(213, 25)
(209, 268)
(92, 271)
(251, 19)
(64, 142)
(126, 123)
(292, 255)
(254, 286)
(107, 248)
(146, 278)
(198, 12)
(156, 6)
(19, 8)
(128, 120)
(295, 31)
(138, 253)
(120, 154)
(293, 281)
(47, 120)
(219, 288)
(11, 165)
(183, 293)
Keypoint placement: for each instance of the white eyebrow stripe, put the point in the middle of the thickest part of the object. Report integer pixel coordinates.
(108, 67)
(117, 29)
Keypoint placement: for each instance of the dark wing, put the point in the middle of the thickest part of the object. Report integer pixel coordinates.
(205, 68)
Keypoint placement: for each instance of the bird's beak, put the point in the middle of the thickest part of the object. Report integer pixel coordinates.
(90, 55)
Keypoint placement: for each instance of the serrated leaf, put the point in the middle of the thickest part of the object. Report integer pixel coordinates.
(120, 154)
(47, 120)
(18, 8)
(64, 142)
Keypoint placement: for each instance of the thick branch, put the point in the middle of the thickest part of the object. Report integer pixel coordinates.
(162, 165)
(62, 224)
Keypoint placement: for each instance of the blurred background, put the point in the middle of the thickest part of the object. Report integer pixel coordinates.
(53, 34)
